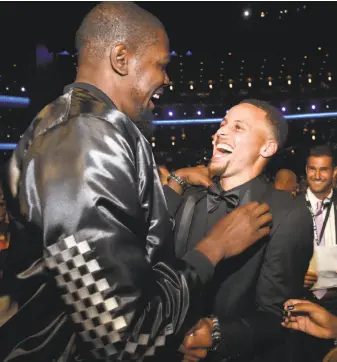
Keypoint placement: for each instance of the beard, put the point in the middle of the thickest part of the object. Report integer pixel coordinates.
(217, 170)
(145, 128)
(144, 123)
(144, 117)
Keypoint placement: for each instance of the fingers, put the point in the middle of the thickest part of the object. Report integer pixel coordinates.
(311, 274)
(205, 181)
(194, 355)
(308, 284)
(291, 325)
(262, 232)
(261, 209)
(197, 341)
(293, 302)
(249, 207)
(264, 220)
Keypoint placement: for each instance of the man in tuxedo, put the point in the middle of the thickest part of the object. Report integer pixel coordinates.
(322, 202)
(247, 294)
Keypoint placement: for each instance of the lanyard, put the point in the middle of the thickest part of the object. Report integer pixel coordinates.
(318, 240)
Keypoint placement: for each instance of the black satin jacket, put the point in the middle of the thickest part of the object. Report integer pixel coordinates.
(91, 265)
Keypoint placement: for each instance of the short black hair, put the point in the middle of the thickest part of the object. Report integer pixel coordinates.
(322, 150)
(117, 21)
(278, 122)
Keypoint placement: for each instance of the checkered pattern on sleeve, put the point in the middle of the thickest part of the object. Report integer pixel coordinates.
(78, 274)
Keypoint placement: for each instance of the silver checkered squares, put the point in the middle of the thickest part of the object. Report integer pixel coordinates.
(76, 274)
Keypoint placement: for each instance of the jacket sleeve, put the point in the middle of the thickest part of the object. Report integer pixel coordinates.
(282, 275)
(81, 188)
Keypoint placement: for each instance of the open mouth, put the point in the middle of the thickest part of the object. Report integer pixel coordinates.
(222, 150)
(156, 96)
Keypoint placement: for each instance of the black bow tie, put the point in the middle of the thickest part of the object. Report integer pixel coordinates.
(215, 196)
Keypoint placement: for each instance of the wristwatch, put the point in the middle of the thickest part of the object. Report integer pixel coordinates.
(178, 180)
(216, 333)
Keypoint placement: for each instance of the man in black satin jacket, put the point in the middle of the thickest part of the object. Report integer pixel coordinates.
(247, 293)
(91, 265)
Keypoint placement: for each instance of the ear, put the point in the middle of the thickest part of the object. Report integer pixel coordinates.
(269, 149)
(334, 174)
(119, 59)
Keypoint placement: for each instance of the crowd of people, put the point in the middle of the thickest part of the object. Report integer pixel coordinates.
(112, 257)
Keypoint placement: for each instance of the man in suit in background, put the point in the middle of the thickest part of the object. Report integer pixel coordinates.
(247, 294)
(322, 202)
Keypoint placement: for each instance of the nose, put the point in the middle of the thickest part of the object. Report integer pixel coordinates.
(317, 174)
(222, 131)
(166, 80)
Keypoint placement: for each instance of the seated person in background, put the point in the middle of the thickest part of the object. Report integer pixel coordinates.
(286, 180)
(4, 233)
(312, 319)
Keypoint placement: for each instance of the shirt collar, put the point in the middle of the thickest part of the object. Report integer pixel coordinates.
(313, 199)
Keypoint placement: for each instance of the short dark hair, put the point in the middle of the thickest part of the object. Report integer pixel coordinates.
(322, 150)
(278, 122)
(117, 21)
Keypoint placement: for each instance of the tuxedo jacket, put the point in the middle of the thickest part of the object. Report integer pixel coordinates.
(249, 290)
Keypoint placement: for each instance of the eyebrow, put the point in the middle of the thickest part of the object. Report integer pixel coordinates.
(236, 121)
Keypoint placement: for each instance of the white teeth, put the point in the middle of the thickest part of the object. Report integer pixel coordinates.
(224, 147)
(155, 96)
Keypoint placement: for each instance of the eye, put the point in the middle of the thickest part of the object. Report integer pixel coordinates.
(238, 127)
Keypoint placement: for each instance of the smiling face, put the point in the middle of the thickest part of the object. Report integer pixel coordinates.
(146, 79)
(242, 144)
(320, 175)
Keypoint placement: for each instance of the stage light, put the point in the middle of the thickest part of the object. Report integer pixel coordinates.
(246, 13)
(14, 101)
(218, 120)
(313, 107)
(23, 89)
(283, 109)
(8, 146)
(170, 113)
(199, 113)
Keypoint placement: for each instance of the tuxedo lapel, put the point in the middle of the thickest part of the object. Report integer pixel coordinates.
(257, 188)
(192, 197)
